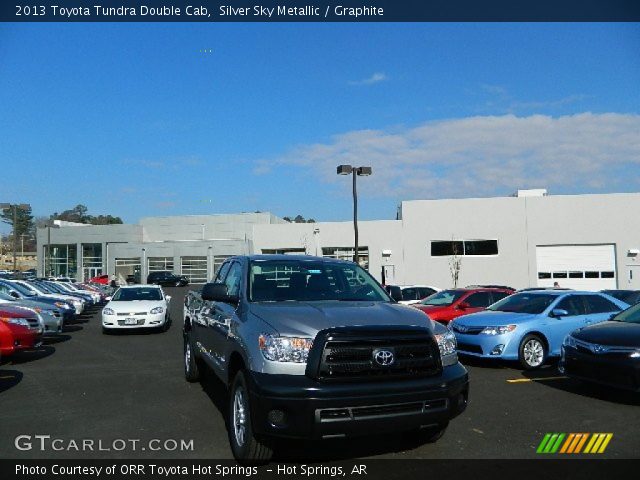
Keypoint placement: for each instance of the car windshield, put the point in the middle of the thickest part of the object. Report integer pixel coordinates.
(443, 298)
(23, 290)
(6, 297)
(630, 315)
(52, 288)
(307, 280)
(523, 303)
(132, 294)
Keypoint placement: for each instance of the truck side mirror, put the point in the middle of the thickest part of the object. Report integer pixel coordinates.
(217, 292)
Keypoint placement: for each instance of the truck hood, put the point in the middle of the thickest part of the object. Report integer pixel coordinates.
(306, 319)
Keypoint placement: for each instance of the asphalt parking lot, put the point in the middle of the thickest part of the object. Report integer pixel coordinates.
(86, 385)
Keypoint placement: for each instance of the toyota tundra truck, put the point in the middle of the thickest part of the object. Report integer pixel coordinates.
(315, 348)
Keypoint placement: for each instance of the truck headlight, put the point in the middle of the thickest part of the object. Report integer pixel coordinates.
(498, 330)
(447, 345)
(569, 341)
(156, 310)
(108, 311)
(284, 349)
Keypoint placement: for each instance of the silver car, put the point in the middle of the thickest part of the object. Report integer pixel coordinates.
(50, 318)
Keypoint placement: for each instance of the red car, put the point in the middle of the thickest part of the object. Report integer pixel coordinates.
(447, 305)
(19, 330)
(103, 279)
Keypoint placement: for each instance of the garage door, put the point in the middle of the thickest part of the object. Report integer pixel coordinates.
(583, 267)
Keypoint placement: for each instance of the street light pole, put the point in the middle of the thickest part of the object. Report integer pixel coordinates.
(354, 171)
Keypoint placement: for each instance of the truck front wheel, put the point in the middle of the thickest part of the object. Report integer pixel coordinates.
(191, 370)
(245, 447)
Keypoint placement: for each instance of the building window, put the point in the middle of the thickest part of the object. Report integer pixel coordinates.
(160, 264)
(194, 268)
(346, 253)
(544, 275)
(446, 248)
(61, 261)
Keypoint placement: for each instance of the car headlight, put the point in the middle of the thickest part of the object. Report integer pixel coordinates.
(498, 330)
(108, 311)
(16, 321)
(156, 310)
(569, 341)
(284, 349)
(446, 343)
(61, 305)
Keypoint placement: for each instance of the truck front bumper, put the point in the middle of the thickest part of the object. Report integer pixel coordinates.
(293, 406)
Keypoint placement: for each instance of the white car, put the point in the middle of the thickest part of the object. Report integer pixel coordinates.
(137, 306)
(409, 294)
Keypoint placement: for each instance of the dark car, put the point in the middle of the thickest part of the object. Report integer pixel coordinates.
(606, 353)
(628, 296)
(167, 279)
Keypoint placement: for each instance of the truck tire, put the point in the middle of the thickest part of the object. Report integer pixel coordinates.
(191, 368)
(244, 445)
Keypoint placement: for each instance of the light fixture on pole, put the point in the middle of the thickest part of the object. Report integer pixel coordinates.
(355, 172)
(15, 207)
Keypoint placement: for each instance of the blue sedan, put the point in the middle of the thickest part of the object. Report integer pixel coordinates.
(530, 326)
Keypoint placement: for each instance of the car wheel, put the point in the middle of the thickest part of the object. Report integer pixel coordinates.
(106, 331)
(166, 325)
(191, 368)
(429, 434)
(178, 283)
(532, 352)
(244, 445)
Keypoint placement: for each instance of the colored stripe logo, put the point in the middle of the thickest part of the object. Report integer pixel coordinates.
(574, 443)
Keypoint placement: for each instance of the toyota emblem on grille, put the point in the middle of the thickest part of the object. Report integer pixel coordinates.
(599, 349)
(383, 357)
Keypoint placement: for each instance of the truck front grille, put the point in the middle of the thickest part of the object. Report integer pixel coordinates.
(352, 355)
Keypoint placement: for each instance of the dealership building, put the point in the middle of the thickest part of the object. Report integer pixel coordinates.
(525, 240)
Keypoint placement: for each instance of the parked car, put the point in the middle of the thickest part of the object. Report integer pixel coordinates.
(167, 279)
(101, 279)
(66, 308)
(33, 292)
(74, 287)
(140, 306)
(530, 326)
(408, 294)
(43, 289)
(63, 289)
(627, 296)
(447, 305)
(51, 318)
(313, 347)
(606, 353)
(19, 330)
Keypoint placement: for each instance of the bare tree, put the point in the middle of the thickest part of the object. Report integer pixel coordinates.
(455, 261)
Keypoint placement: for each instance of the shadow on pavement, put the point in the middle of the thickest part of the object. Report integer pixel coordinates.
(71, 328)
(9, 378)
(554, 379)
(56, 339)
(27, 356)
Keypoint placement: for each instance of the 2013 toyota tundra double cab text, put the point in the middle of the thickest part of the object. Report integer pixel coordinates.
(315, 348)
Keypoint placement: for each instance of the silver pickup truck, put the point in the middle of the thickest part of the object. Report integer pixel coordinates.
(315, 348)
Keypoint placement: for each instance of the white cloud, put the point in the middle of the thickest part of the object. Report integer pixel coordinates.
(375, 78)
(482, 155)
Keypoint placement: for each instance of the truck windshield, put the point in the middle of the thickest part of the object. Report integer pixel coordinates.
(302, 280)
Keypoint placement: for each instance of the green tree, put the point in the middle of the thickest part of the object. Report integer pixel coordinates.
(79, 214)
(24, 221)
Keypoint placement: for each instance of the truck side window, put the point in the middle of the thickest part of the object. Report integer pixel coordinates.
(233, 279)
(222, 272)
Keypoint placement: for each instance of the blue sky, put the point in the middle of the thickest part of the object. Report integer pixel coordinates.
(141, 119)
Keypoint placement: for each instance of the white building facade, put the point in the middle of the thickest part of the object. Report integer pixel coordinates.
(531, 239)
